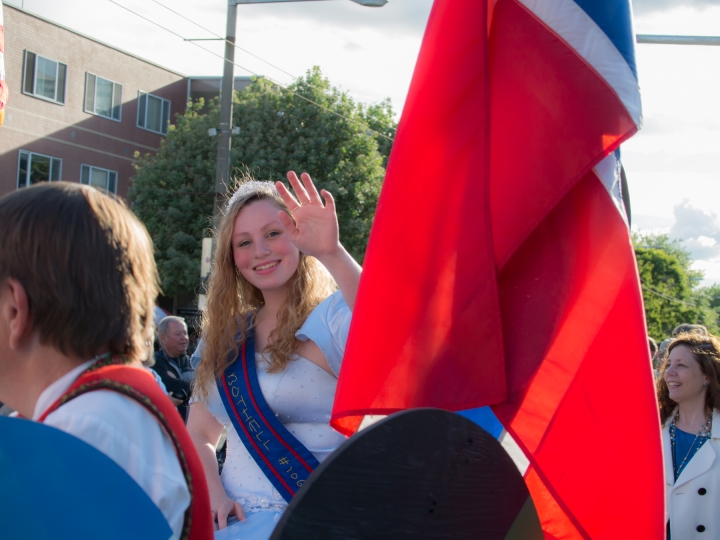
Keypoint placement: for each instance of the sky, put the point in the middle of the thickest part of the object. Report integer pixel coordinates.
(673, 163)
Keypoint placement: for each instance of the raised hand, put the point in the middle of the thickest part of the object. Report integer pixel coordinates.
(315, 231)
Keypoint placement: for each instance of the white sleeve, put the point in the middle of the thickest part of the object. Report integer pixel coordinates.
(197, 355)
(157, 378)
(328, 326)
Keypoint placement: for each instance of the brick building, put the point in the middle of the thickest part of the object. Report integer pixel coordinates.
(79, 109)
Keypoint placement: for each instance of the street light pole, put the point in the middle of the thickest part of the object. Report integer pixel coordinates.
(222, 172)
(224, 131)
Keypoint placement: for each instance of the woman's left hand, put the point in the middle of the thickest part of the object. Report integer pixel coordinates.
(315, 231)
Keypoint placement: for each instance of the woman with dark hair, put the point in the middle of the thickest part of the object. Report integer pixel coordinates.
(688, 397)
(274, 331)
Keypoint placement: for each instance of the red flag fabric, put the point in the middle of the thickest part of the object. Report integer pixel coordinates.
(432, 226)
(500, 271)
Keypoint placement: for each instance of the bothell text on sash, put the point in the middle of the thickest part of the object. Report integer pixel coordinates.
(282, 458)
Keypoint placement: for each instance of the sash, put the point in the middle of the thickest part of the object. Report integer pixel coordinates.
(281, 457)
(113, 373)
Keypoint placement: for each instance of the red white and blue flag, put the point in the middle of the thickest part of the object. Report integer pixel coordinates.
(3, 82)
(500, 270)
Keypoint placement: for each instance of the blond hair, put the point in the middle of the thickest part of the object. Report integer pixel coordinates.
(232, 301)
(86, 263)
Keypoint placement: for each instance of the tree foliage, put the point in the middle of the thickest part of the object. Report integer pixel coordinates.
(381, 118)
(311, 126)
(671, 290)
(172, 193)
(330, 139)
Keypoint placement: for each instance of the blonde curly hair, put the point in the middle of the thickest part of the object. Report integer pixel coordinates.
(232, 301)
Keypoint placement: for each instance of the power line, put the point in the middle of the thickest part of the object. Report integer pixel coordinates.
(81, 128)
(278, 84)
(295, 78)
(665, 296)
(224, 39)
(68, 143)
(177, 35)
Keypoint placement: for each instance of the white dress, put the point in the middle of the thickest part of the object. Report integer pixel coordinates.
(301, 396)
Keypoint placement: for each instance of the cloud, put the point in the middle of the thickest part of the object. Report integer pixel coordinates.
(351, 46)
(679, 159)
(711, 270)
(657, 224)
(397, 16)
(703, 248)
(699, 230)
(692, 222)
(670, 122)
(645, 7)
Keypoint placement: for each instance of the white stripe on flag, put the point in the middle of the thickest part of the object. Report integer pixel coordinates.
(574, 26)
(608, 171)
(370, 419)
(514, 451)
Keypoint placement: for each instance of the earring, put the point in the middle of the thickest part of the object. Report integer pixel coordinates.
(705, 384)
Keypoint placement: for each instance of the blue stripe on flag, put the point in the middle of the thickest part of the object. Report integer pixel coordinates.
(486, 419)
(614, 17)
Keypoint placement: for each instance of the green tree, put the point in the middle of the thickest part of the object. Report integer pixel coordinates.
(708, 301)
(328, 136)
(671, 291)
(381, 118)
(172, 194)
(312, 126)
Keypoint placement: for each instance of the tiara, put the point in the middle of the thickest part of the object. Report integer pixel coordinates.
(252, 187)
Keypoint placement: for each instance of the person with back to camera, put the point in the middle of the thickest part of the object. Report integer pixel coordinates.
(78, 284)
(688, 397)
(273, 336)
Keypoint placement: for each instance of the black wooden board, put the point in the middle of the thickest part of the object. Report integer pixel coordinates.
(421, 473)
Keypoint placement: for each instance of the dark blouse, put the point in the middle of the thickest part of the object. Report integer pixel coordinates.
(686, 444)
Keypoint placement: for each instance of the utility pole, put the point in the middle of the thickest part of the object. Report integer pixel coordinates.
(222, 170)
(224, 130)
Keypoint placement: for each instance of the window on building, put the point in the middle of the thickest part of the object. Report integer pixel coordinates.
(103, 97)
(102, 179)
(34, 168)
(44, 78)
(153, 113)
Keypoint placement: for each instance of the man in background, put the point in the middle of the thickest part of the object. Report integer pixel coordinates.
(173, 364)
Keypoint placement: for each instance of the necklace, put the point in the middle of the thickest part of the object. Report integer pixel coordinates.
(703, 434)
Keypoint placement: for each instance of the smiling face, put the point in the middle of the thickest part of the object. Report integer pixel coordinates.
(683, 375)
(262, 250)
